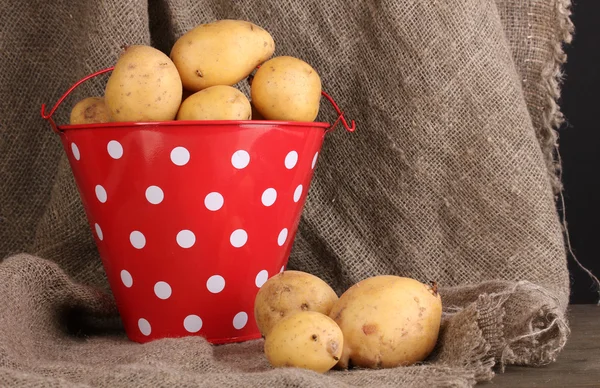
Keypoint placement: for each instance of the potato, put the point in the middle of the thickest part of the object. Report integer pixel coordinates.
(387, 321)
(90, 110)
(290, 292)
(223, 52)
(219, 102)
(144, 86)
(306, 339)
(286, 88)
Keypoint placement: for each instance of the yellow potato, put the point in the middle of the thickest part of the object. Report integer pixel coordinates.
(388, 321)
(223, 52)
(306, 339)
(144, 86)
(286, 88)
(90, 110)
(290, 292)
(219, 102)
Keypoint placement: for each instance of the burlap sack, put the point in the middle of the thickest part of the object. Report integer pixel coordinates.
(451, 176)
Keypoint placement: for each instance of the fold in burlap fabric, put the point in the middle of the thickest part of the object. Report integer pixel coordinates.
(62, 334)
(450, 176)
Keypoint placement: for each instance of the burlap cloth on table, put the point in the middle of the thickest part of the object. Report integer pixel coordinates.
(450, 176)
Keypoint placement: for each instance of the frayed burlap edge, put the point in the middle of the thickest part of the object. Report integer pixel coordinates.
(552, 78)
(545, 337)
(536, 343)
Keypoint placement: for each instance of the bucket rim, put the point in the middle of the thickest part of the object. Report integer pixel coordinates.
(270, 123)
(195, 123)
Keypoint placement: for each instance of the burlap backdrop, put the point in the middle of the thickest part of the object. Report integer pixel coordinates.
(450, 177)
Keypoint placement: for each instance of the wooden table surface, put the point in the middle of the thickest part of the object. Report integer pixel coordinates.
(578, 365)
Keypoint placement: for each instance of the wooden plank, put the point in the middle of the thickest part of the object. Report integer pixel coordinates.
(578, 365)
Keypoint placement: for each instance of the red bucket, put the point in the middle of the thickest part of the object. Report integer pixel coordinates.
(191, 217)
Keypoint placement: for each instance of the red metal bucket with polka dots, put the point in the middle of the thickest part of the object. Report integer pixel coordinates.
(192, 217)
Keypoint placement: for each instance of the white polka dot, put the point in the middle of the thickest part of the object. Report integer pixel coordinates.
(261, 278)
(186, 238)
(144, 326)
(154, 195)
(137, 239)
(291, 159)
(314, 162)
(269, 196)
(215, 284)
(99, 232)
(126, 278)
(213, 201)
(282, 236)
(240, 320)
(75, 151)
(162, 290)
(115, 149)
(238, 238)
(297, 193)
(101, 194)
(240, 159)
(192, 323)
(282, 269)
(180, 156)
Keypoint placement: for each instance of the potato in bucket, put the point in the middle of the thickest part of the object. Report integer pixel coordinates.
(144, 86)
(220, 102)
(223, 52)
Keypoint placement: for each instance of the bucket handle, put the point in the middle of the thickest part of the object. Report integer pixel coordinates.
(349, 128)
(48, 116)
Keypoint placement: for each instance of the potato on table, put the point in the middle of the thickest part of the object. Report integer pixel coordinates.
(387, 321)
(290, 292)
(306, 339)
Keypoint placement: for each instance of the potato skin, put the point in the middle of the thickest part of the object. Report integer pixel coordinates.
(286, 88)
(306, 339)
(223, 52)
(219, 102)
(290, 292)
(144, 86)
(90, 110)
(387, 321)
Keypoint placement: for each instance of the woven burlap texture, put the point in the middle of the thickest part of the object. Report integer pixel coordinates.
(450, 176)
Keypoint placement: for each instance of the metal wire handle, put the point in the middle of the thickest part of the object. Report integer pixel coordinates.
(48, 115)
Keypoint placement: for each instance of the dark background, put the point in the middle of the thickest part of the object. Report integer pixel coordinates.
(580, 147)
